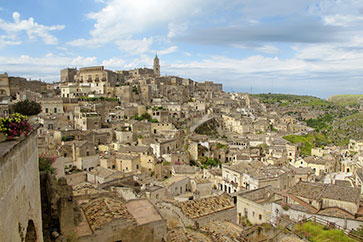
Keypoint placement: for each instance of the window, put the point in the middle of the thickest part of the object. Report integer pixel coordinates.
(46, 110)
(137, 167)
(260, 217)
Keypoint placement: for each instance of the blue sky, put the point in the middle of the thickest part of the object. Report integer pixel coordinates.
(281, 46)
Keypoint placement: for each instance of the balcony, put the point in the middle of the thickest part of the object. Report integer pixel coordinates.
(235, 184)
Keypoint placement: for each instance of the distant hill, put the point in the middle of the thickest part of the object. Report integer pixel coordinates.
(340, 117)
(349, 127)
(289, 99)
(346, 100)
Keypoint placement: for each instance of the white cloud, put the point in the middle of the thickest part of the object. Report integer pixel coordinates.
(114, 62)
(84, 61)
(4, 41)
(322, 77)
(31, 28)
(135, 46)
(176, 28)
(142, 60)
(48, 60)
(168, 50)
(46, 67)
(120, 20)
(269, 49)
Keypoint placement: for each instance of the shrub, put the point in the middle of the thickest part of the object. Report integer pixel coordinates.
(67, 138)
(27, 108)
(45, 164)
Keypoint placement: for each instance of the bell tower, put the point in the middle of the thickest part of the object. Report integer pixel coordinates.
(156, 66)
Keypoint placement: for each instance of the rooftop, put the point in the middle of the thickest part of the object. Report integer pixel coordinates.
(143, 211)
(135, 149)
(103, 210)
(184, 169)
(260, 195)
(317, 191)
(85, 188)
(205, 206)
(170, 181)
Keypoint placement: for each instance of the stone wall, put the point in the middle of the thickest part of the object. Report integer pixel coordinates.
(57, 206)
(119, 230)
(20, 204)
(229, 215)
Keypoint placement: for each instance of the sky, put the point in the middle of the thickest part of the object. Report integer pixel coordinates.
(302, 47)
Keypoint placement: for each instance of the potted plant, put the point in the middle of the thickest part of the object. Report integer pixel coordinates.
(15, 125)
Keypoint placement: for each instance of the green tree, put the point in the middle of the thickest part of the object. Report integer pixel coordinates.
(27, 108)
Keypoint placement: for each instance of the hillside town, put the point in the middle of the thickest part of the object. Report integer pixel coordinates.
(134, 155)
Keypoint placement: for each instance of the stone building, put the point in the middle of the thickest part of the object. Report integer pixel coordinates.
(86, 120)
(84, 155)
(128, 163)
(147, 159)
(67, 74)
(51, 105)
(256, 205)
(4, 85)
(320, 165)
(328, 199)
(75, 90)
(177, 185)
(244, 176)
(99, 78)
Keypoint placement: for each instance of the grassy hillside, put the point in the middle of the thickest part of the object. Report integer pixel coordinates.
(288, 99)
(346, 100)
(349, 127)
(339, 117)
(308, 141)
(339, 128)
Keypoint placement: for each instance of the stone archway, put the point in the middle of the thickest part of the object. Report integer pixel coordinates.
(31, 233)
